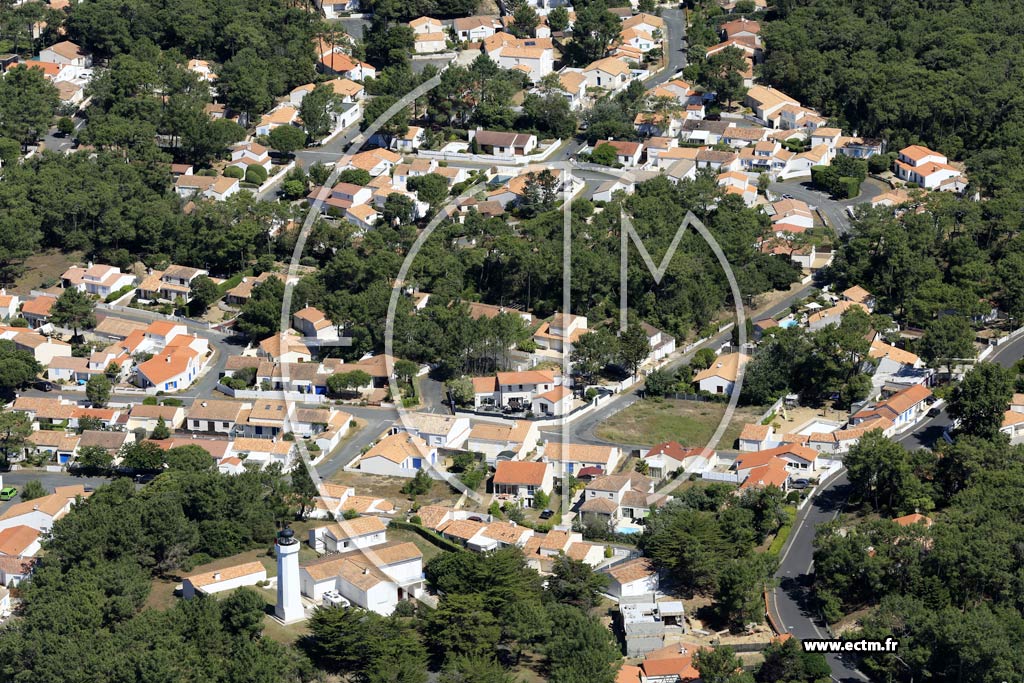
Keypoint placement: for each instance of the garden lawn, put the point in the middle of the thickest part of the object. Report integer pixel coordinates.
(691, 423)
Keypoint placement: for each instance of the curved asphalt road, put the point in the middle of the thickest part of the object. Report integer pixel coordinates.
(833, 210)
(792, 603)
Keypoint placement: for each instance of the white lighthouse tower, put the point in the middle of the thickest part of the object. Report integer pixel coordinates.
(289, 602)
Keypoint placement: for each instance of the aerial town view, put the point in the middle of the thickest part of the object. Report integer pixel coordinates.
(511, 341)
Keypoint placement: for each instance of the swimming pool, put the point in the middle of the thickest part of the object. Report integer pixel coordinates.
(788, 323)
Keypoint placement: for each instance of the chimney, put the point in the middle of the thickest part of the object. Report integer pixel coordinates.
(366, 570)
(216, 576)
(35, 507)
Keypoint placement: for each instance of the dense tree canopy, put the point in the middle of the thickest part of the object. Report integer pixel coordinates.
(88, 590)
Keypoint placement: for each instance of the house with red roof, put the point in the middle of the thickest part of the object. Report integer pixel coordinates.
(670, 456)
(929, 169)
(903, 408)
(176, 366)
(520, 480)
(516, 390)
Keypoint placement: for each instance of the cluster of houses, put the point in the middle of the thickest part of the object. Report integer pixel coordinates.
(22, 527)
(160, 356)
(893, 413)
(64, 64)
(357, 566)
(234, 433)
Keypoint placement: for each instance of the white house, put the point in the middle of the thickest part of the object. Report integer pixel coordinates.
(335, 9)
(220, 580)
(19, 541)
(65, 53)
(8, 304)
(169, 285)
(515, 390)
(557, 401)
(216, 416)
(375, 579)
(411, 141)
(426, 43)
(610, 73)
(313, 324)
(348, 534)
(41, 513)
(767, 102)
(612, 499)
(476, 28)
(667, 457)
(422, 25)
(503, 144)
(43, 349)
(363, 216)
(517, 437)
(904, 407)
(576, 456)
(439, 431)
(533, 57)
(632, 579)
(98, 279)
(520, 480)
(398, 455)
(246, 154)
(925, 167)
(176, 366)
(721, 377)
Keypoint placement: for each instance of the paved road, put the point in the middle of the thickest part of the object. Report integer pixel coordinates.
(376, 423)
(55, 142)
(792, 602)
(834, 211)
(675, 32)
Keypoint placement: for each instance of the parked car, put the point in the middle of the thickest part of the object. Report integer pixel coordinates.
(935, 412)
(547, 514)
(8, 492)
(800, 484)
(787, 196)
(43, 385)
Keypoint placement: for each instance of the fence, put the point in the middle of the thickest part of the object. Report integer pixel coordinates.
(210, 327)
(439, 541)
(690, 397)
(771, 410)
(512, 159)
(296, 396)
(730, 477)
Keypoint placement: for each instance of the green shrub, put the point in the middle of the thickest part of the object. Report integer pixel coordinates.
(234, 172)
(848, 188)
(114, 296)
(257, 175)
